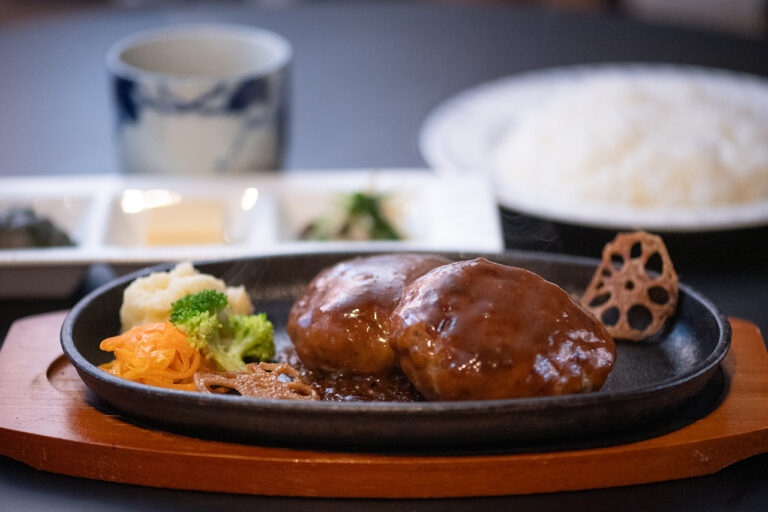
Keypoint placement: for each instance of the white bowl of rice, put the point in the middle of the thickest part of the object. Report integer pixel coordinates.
(656, 146)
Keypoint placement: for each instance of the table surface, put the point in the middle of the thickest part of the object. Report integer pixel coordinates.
(365, 76)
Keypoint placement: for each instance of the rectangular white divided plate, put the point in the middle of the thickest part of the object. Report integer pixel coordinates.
(249, 215)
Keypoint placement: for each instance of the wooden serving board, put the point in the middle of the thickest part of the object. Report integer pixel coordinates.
(47, 422)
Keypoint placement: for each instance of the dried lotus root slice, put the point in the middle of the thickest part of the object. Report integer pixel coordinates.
(260, 380)
(632, 301)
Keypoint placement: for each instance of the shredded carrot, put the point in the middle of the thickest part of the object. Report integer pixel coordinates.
(157, 354)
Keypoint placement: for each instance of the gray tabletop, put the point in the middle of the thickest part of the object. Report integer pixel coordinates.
(364, 77)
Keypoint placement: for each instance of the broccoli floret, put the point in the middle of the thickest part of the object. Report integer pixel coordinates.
(227, 339)
(202, 330)
(253, 337)
(189, 306)
(197, 314)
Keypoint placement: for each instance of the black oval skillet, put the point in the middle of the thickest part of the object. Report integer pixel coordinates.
(652, 382)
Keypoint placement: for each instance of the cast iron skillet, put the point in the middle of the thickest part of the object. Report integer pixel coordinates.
(651, 380)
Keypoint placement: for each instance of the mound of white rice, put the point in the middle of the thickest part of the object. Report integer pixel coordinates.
(643, 140)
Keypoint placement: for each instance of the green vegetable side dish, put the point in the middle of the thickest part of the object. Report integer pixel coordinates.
(229, 340)
(359, 217)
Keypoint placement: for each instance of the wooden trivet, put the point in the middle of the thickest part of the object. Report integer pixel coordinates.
(46, 422)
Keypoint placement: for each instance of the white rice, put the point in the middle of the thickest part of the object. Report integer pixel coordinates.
(643, 140)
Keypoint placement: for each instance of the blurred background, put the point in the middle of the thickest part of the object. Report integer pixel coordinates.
(744, 17)
(367, 74)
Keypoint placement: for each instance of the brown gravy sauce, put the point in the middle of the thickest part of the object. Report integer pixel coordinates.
(340, 387)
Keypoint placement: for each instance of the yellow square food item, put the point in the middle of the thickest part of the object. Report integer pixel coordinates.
(188, 222)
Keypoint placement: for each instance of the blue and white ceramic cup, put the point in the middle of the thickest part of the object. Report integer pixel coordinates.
(200, 99)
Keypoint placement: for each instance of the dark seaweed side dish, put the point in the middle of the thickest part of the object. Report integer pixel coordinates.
(22, 228)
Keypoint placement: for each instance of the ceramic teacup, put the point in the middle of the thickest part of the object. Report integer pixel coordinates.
(200, 99)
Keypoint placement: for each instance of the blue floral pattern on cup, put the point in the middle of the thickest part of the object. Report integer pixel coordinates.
(259, 101)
